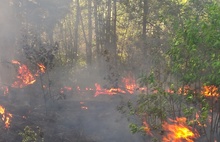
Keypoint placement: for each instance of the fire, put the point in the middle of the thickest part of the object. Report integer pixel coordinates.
(25, 77)
(83, 107)
(184, 90)
(6, 117)
(78, 88)
(68, 88)
(147, 128)
(42, 69)
(65, 89)
(210, 91)
(130, 84)
(179, 131)
(5, 90)
(197, 120)
(112, 91)
(15, 62)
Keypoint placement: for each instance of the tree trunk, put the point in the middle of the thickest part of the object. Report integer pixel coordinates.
(144, 24)
(97, 37)
(76, 33)
(114, 34)
(89, 45)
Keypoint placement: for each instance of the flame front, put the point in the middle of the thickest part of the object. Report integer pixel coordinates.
(179, 131)
(128, 86)
(112, 91)
(6, 117)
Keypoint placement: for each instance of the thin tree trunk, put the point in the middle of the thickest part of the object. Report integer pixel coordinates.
(108, 24)
(114, 35)
(97, 37)
(89, 46)
(76, 33)
(144, 24)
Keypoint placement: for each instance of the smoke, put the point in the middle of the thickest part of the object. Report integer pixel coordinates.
(8, 29)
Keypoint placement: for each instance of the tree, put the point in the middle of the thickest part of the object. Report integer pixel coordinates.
(89, 46)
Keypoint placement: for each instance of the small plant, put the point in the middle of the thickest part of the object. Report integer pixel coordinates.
(29, 135)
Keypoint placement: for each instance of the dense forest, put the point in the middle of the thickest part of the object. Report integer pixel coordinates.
(154, 64)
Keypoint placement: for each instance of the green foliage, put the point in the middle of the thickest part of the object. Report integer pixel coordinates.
(194, 57)
(133, 127)
(194, 52)
(29, 135)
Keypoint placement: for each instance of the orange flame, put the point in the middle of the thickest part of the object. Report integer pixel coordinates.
(210, 91)
(5, 117)
(42, 69)
(111, 91)
(147, 128)
(130, 84)
(25, 77)
(179, 131)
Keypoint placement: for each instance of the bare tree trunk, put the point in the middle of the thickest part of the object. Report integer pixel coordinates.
(89, 45)
(97, 39)
(144, 24)
(114, 34)
(64, 34)
(108, 24)
(70, 41)
(76, 33)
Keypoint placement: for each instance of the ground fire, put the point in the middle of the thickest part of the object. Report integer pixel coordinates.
(179, 131)
(128, 86)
